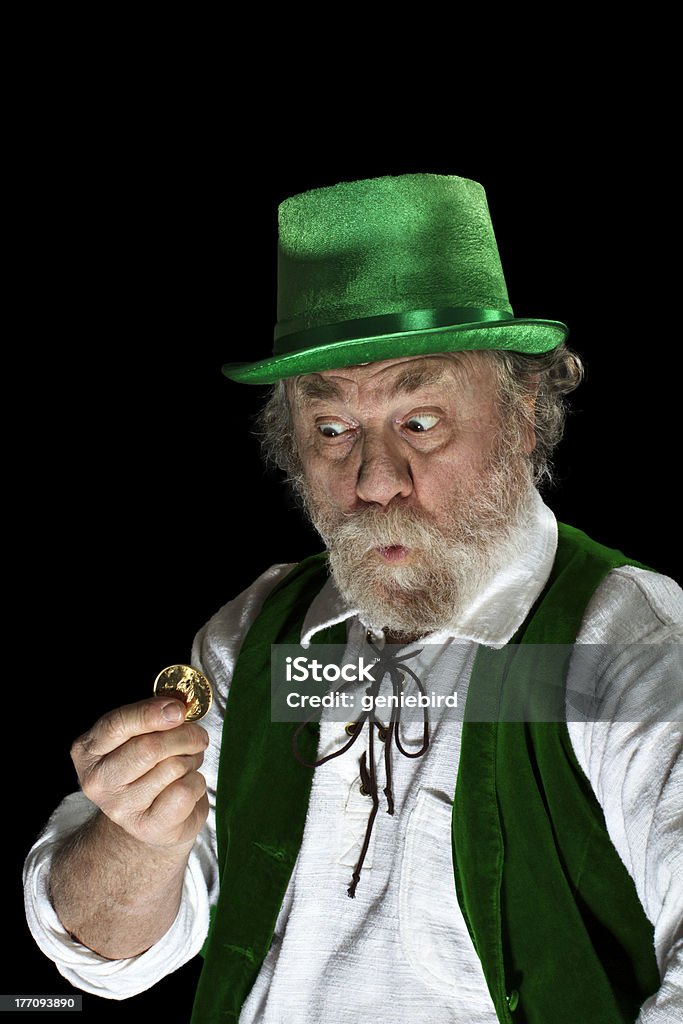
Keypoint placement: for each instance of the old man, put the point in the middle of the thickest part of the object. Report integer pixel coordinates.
(513, 868)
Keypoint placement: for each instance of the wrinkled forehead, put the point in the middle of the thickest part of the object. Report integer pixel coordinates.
(392, 377)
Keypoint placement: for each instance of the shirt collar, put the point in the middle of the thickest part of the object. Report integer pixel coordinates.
(498, 609)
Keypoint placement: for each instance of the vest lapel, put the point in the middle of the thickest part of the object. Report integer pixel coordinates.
(552, 911)
(261, 803)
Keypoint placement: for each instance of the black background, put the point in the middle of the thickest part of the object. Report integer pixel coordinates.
(148, 257)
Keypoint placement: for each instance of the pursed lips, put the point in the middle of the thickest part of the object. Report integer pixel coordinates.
(394, 553)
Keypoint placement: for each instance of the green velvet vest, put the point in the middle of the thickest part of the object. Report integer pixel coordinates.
(552, 912)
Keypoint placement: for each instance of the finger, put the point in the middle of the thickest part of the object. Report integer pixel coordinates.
(138, 756)
(154, 714)
(134, 799)
(172, 808)
(188, 829)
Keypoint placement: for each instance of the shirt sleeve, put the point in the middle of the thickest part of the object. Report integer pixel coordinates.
(631, 751)
(214, 652)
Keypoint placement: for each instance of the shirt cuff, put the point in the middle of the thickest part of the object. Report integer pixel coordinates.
(82, 967)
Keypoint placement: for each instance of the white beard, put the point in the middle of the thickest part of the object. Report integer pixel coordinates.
(452, 557)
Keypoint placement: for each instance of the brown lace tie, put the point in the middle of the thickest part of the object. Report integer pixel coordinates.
(387, 664)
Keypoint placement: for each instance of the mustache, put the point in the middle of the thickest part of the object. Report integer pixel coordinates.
(376, 526)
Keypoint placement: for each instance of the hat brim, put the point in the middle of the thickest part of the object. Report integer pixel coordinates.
(523, 335)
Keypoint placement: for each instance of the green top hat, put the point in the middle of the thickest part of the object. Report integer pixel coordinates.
(385, 267)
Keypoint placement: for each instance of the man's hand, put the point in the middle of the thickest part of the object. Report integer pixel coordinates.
(116, 883)
(139, 764)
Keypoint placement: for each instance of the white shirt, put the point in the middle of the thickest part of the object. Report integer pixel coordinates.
(400, 952)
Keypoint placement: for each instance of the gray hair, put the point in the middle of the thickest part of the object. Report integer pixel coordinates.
(531, 391)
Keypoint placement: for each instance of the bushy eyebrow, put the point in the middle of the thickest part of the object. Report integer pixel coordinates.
(419, 377)
(313, 388)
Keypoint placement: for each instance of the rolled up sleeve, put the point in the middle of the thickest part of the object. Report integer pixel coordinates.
(214, 652)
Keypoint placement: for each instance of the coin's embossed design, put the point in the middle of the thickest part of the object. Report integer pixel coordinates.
(189, 685)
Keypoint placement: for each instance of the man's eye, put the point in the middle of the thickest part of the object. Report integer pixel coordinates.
(333, 428)
(423, 421)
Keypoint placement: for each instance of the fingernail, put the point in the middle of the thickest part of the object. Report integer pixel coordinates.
(172, 712)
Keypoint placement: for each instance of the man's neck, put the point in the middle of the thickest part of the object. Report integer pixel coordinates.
(401, 639)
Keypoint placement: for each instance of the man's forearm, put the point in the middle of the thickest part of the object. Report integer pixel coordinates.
(113, 893)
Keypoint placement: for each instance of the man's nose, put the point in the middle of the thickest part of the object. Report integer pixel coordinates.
(384, 471)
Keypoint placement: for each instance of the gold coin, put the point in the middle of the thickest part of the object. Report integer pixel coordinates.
(187, 684)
